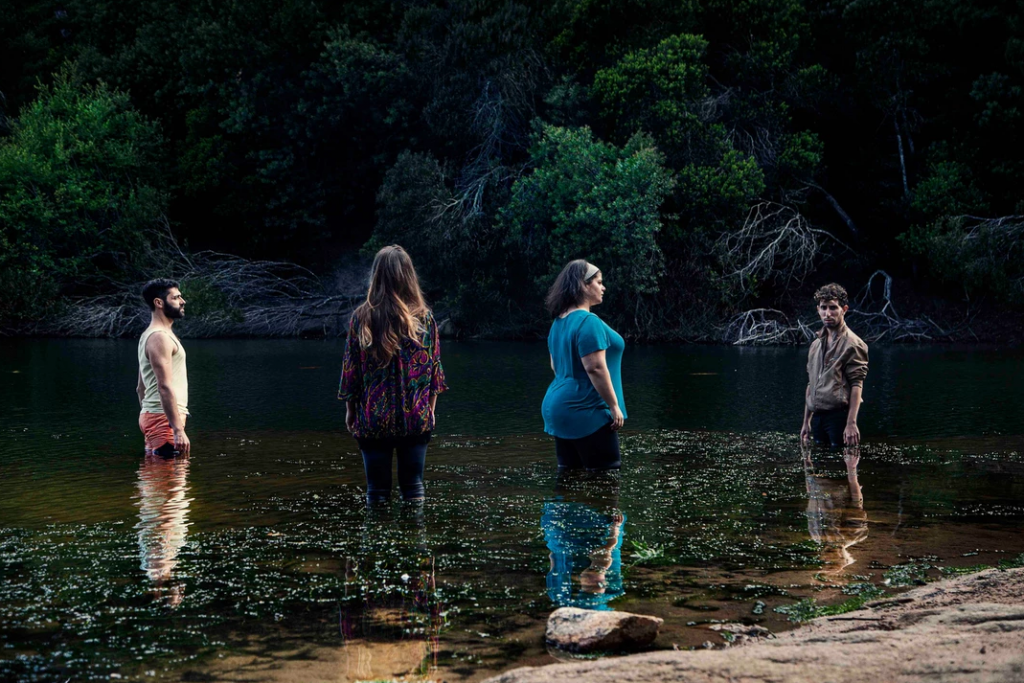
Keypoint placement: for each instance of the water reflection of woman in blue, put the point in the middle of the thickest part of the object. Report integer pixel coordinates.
(583, 529)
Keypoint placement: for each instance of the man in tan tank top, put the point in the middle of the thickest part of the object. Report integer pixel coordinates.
(163, 377)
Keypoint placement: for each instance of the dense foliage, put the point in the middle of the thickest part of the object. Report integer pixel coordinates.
(497, 139)
(77, 193)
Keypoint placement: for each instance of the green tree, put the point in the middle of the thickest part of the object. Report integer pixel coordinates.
(664, 91)
(589, 199)
(79, 180)
(590, 34)
(458, 252)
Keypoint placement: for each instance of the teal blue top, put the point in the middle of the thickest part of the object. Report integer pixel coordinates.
(572, 407)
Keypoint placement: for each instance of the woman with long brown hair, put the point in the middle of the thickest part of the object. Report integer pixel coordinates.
(583, 408)
(391, 376)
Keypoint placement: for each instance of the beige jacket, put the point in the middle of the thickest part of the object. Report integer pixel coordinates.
(833, 371)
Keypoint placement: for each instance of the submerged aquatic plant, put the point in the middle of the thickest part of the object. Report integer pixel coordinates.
(808, 608)
(646, 553)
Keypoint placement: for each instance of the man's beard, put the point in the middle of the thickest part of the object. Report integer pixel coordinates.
(172, 312)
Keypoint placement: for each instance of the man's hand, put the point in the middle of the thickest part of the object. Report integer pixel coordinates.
(805, 432)
(852, 457)
(181, 443)
(851, 437)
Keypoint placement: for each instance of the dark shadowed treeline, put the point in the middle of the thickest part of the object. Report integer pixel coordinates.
(715, 157)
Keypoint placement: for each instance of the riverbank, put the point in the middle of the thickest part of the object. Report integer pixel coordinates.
(965, 629)
(325, 316)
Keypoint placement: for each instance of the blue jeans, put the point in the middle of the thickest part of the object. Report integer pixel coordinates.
(377, 462)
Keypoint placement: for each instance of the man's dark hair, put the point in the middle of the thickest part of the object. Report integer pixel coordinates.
(832, 291)
(158, 289)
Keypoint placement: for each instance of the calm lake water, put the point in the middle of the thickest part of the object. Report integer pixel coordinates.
(255, 559)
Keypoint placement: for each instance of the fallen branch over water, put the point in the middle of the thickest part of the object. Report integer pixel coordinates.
(227, 296)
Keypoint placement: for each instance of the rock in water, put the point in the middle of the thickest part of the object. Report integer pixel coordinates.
(584, 630)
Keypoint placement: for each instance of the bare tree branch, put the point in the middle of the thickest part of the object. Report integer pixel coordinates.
(775, 245)
(872, 315)
(231, 296)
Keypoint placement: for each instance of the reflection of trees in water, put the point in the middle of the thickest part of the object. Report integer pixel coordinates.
(835, 513)
(163, 522)
(583, 529)
(399, 608)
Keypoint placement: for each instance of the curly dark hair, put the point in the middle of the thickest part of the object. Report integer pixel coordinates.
(832, 291)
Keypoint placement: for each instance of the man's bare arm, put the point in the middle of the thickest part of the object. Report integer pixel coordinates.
(140, 389)
(159, 349)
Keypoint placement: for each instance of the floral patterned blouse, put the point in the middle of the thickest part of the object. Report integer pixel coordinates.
(393, 400)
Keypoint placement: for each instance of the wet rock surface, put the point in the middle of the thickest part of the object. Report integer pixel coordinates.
(969, 629)
(583, 630)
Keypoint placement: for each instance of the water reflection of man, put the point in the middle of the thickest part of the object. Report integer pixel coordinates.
(835, 512)
(163, 522)
(583, 529)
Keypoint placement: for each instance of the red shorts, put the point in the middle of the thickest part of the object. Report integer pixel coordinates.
(156, 429)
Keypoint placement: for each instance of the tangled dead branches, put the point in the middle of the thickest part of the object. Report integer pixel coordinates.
(227, 295)
(765, 326)
(875, 317)
(776, 245)
(872, 315)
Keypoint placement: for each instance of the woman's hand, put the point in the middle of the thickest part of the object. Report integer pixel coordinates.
(617, 419)
(350, 419)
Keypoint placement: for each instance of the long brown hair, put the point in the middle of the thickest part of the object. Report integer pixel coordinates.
(567, 291)
(394, 308)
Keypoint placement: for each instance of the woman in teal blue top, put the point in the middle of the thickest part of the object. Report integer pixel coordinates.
(583, 408)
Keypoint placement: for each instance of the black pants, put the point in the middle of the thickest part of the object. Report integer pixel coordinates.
(377, 461)
(599, 451)
(828, 426)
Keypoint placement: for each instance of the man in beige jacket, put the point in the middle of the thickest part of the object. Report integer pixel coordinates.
(837, 364)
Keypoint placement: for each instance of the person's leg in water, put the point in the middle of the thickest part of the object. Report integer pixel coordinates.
(827, 427)
(157, 432)
(411, 461)
(377, 463)
(567, 455)
(600, 450)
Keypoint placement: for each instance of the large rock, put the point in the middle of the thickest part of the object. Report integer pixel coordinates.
(584, 630)
(964, 630)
